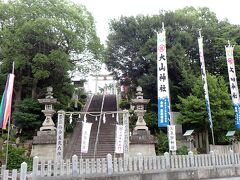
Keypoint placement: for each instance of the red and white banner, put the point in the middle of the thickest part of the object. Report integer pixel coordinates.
(233, 83)
(232, 74)
(119, 140)
(86, 130)
(162, 81)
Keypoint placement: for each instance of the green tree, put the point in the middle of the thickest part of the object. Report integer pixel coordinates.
(28, 117)
(16, 156)
(161, 143)
(131, 49)
(193, 108)
(46, 40)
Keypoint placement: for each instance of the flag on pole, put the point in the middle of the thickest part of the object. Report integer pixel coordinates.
(162, 79)
(6, 102)
(233, 83)
(86, 130)
(204, 79)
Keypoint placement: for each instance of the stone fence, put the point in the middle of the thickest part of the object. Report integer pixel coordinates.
(184, 166)
(222, 149)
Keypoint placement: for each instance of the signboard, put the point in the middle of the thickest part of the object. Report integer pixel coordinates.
(204, 79)
(172, 138)
(86, 130)
(233, 83)
(60, 135)
(162, 81)
(119, 141)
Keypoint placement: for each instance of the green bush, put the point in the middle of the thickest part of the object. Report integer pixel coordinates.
(161, 143)
(183, 150)
(124, 104)
(16, 156)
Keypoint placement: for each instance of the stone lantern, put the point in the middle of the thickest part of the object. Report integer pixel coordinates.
(44, 144)
(140, 103)
(48, 101)
(141, 141)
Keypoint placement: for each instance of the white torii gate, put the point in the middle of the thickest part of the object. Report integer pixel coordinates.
(104, 77)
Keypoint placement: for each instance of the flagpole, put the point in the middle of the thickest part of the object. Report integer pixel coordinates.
(9, 126)
(99, 124)
(8, 140)
(205, 84)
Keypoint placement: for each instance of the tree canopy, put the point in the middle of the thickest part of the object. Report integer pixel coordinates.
(46, 39)
(193, 108)
(132, 52)
(131, 49)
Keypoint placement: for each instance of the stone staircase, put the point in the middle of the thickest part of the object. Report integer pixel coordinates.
(106, 137)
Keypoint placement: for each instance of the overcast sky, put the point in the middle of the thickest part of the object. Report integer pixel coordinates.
(104, 10)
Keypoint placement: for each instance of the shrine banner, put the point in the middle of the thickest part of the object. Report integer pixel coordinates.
(162, 81)
(233, 83)
(204, 79)
(60, 135)
(172, 137)
(126, 131)
(119, 140)
(86, 130)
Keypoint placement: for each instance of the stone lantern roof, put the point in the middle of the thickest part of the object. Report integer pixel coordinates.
(139, 98)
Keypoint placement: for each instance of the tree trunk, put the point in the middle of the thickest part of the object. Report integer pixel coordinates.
(34, 90)
(18, 93)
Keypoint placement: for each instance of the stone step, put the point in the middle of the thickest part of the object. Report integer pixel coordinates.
(106, 137)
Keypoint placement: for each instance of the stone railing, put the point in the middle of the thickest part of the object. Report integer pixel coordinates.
(109, 166)
(222, 149)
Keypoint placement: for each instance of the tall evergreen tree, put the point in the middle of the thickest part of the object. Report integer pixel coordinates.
(193, 113)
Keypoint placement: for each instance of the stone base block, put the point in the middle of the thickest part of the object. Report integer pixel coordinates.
(144, 149)
(44, 151)
(44, 145)
(142, 142)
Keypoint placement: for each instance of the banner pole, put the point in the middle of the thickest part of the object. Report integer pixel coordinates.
(99, 124)
(213, 136)
(8, 140)
(205, 84)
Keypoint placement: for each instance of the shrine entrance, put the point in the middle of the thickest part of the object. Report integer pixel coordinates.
(108, 88)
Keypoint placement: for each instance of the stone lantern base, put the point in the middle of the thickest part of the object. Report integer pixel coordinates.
(142, 142)
(44, 145)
